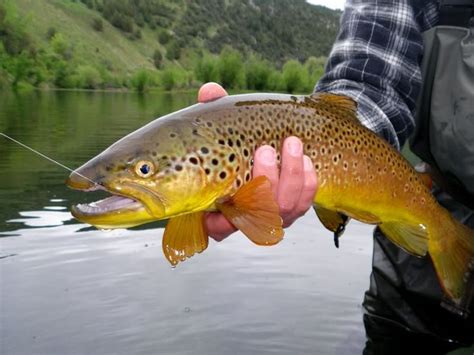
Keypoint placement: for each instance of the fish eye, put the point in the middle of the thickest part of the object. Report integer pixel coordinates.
(144, 168)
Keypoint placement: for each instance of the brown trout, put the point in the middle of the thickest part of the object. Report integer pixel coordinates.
(200, 159)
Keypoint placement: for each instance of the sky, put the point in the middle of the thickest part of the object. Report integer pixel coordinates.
(332, 4)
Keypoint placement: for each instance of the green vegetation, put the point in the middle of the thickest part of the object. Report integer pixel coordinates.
(144, 44)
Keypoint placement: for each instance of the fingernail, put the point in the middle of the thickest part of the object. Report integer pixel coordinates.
(267, 156)
(307, 163)
(294, 146)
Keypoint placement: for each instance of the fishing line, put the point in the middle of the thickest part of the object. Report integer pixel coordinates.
(47, 158)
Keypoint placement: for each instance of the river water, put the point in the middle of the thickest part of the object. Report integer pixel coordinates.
(67, 288)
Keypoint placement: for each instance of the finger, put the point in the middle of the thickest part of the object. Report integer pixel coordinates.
(265, 163)
(218, 227)
(211, 91)
(291, 177)
(307, 192)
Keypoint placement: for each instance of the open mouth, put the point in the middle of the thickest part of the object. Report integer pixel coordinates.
(116, 211)
(110, 204)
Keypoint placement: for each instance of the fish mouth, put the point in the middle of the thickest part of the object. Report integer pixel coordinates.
(108, 205)
(121, 210)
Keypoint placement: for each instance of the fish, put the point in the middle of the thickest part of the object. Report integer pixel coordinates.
(199, 159)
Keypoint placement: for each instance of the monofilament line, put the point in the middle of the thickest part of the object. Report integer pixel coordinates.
(46, 157)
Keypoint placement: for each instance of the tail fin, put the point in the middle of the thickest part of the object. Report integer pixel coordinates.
(451, 248)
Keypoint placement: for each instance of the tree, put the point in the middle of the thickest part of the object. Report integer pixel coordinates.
(293, 76)
(231, 69)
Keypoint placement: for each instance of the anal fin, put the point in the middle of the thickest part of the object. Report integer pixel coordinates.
(413, 238)
(184, 236)
(334, 221)
(253, 210)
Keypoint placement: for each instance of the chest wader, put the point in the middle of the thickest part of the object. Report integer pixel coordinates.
(404, 293)
(444, 134)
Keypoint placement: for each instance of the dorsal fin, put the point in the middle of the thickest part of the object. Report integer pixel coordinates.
(340, 103)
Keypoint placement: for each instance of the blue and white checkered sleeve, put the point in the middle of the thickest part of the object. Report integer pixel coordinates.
(376, 61)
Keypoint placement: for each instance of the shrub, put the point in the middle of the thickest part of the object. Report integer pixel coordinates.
(4, 79)
(97, 24)
(121, 22)
(164, 37)
(137, 34)
(13, 32)
(21, 68)
(61, 47)
(140, 80)
(230, 67)
(87, 77)
(168, 78)
(275, 81)
(257, 72)
(315, 69)
(206, 69)
(157, 59)
(173, 51)
(62, 74)
(293, 76)
(50, 33)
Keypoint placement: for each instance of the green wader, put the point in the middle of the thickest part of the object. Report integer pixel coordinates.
(405, 309)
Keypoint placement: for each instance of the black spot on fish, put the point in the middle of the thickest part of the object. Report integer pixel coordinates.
(231, 157)
(178, 167)
(207, 171)
(204, 150)
(215, 162)
(222, 174)
(193, 160)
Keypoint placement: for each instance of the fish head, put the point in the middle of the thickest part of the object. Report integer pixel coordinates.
(153, 173)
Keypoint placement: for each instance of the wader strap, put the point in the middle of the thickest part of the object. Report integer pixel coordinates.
(455, 12)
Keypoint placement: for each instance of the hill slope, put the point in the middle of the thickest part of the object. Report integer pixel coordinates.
(116, 37)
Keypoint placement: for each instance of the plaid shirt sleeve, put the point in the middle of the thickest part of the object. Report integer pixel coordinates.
(376, 61)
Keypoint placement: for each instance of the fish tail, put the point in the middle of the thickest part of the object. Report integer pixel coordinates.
(451, 248)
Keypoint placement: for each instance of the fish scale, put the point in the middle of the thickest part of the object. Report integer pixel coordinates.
(200, 159)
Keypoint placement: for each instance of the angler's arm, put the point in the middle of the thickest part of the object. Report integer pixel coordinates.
(376, 61)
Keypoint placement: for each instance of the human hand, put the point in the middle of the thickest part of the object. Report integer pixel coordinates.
(294, 186)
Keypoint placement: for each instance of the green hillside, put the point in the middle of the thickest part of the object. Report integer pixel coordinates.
(139, 43)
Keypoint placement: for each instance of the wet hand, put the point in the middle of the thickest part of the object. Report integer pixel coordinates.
(294, 185)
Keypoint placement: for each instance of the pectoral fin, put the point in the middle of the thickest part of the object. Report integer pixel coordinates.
(334, 221)
(184, 236)
(411, 238)
(253, 210)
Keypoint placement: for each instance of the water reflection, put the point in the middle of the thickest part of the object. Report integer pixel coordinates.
(42, 218)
